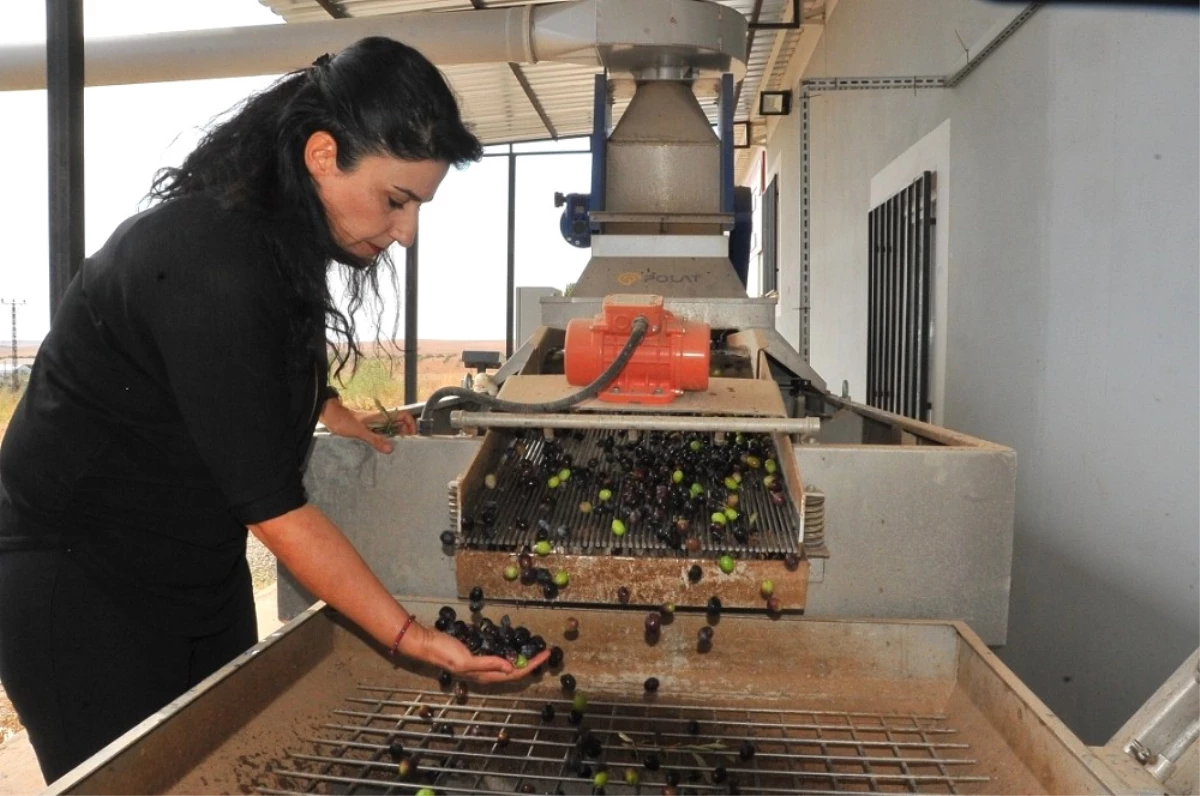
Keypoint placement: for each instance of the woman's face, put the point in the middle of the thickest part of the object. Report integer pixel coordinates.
(377, 202)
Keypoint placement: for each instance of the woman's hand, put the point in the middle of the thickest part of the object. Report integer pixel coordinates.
(354, 423)
(446, 652)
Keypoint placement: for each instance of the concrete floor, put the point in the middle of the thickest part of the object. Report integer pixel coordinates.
(19, 772)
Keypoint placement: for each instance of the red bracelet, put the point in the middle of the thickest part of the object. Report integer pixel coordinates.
(400, 635)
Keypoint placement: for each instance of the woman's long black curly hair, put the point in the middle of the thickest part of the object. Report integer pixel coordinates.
(376, 97)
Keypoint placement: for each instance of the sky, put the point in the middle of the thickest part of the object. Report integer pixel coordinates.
(132, 131)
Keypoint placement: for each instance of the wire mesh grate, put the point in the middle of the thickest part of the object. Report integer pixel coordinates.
(508, 516)
(510, 744)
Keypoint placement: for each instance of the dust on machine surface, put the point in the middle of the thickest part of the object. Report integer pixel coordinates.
(748, 584)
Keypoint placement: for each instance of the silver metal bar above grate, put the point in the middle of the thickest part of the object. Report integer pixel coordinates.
(509, 744)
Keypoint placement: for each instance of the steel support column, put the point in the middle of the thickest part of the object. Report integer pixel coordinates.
(411, 257)
(64, 102)
(511, 281)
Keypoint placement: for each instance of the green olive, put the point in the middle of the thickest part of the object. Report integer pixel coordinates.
(726, 563)
(731, 483)
(677, 476)
(696, 445)
(521, 662)
(542, 548)
(553, 482)
(731, 514)
(696, 488)
(489, 480)
(561, 579)
(770, 466)
(767, 588)
(601, 779)
(605, 495)
(579, 702)
(512, 572)
(719, 518)
(618, 528)
(564, 474)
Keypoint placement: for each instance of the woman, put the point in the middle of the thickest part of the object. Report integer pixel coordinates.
(171, 406)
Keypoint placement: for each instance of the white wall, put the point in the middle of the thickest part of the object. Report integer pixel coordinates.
(1072, 305)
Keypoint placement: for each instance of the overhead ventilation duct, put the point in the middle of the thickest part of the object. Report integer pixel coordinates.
(642, 38)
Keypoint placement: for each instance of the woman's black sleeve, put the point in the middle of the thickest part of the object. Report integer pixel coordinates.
(212, 306)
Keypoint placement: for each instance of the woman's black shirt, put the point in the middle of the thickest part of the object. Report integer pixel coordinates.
(169, 407)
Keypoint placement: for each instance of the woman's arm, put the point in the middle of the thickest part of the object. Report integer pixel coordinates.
(325, 563)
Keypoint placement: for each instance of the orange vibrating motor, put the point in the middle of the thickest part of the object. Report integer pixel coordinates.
(673, 357)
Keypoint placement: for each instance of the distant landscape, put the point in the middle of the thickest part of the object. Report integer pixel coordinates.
(379, 376)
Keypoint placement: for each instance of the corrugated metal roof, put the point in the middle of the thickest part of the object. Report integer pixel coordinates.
(500, 110)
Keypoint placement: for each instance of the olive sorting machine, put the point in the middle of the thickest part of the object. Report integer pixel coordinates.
(888, 541)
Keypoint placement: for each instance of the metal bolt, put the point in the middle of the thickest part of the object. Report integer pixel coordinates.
(1140, 753)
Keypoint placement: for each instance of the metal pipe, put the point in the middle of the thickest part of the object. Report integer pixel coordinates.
(471, 37)
(62, 69)
(618, 34)
(753, 425)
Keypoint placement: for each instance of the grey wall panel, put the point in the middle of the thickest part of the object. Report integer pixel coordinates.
(914, 532)
(391, 507)
(1072, 325)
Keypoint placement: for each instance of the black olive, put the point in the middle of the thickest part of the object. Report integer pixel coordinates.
(502, 737)
(791, 561)
(575, 716)
(693, 727)
(521, 635)
(746, 751)
(695, 573)
(651, 684)
(425, 712)
(705, 635)
(714, 606)
(444, 729)
(442, 624)
(475, 606)
(448, 538)
(447, 613)
(550, 590)
(396, 750)
(651, 762)
(653, 621)
(568, 682)
(672, 778)
(477, 594)
(461, 692)
(548, 712)
(719, 775)
(623, 595)
(556, 657)
(445, 678)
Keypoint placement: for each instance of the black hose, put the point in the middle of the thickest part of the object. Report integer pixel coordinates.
(638, 332)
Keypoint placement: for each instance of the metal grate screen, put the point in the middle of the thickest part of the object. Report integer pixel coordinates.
(898, 315)
(506, 744)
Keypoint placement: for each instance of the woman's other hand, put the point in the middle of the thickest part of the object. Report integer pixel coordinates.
(355, 423)
(446, 652)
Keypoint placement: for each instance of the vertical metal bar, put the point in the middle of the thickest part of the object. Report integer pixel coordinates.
(901, 317)
(889, 322)
(64, 103)
(910, 207)
(872, 253)
(411, 257)
(511, 283)
(897, 304)
(912, 328)
(726, 108)
(926, 276)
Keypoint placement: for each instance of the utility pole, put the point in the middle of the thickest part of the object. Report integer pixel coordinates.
(14, 303)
